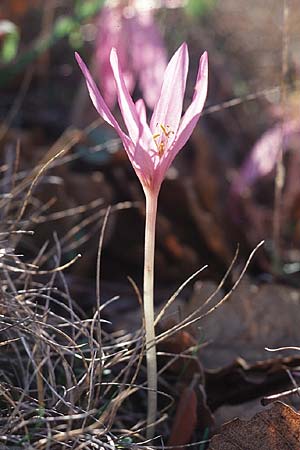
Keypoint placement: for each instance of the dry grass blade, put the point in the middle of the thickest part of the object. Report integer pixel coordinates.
(176, 293)
(191, 318)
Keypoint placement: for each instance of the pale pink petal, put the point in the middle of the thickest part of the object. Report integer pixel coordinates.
(103, 109)
(189, 119)
(145, 139)
(126, 104)
(141, 110)
(161, 169)
(143, 165)
(192, 114)
(169, 106)
(99, 102)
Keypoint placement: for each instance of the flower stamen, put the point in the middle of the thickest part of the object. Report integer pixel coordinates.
(164, 135)
(166, 131)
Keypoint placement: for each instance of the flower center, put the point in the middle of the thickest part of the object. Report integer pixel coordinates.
(161, 138)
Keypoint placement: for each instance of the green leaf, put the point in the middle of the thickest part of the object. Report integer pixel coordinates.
(10, 46)
(64, 26)
(199, 7)
(87, 8)
(75, 39)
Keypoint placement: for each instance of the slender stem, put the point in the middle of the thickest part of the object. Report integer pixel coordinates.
(151, 210)
(280, 175)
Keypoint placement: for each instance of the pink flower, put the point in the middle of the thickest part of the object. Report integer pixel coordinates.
(140, 47)
(152, 148)
(264, 155)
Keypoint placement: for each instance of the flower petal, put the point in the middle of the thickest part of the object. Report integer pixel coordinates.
(169, 106)
(141, 110)
(192, 114)
(98, 101)
(189, 119)
(143, 165)
(126, 104)
(146, 140)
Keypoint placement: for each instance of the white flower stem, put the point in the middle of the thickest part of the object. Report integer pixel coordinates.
(151, 210)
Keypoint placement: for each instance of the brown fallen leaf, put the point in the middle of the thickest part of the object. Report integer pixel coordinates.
(257, 315)
(277, 428)
(185, 419)
(245, 382)
(182, 370)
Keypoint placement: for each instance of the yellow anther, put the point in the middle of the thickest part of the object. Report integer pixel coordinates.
(166, 131)
(164, 136)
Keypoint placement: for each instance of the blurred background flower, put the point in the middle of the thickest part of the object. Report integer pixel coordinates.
(132, 30)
